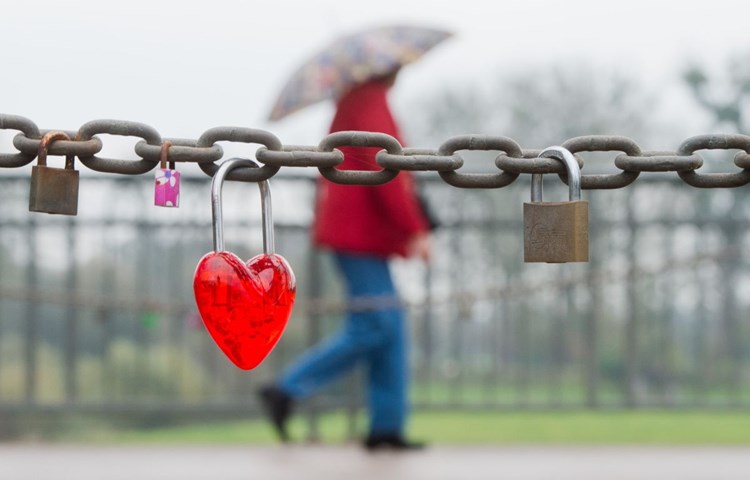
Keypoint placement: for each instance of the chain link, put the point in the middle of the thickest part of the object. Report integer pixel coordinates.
(30, 146)
(29, 129)
(604, 143)
(656, 161)
(299, 156)
(181, 150)
(360, 139)
(116, 127)
(241, 135)
(715, 142)
(447, 160)
(479, 143)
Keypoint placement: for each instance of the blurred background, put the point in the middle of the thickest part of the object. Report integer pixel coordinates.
(98, 327)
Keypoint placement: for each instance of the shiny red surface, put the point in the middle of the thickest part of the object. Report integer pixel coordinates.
(245, 307)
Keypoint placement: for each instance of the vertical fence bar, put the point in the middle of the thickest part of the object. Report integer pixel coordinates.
(591, 367)
(142, 285)
(631, 305)
(3, 318)
(314, 332)
(523, 354)
(495, 346)
(356, 381)
(667, 347)
(104, 317)
(173, 315)
(426, 336)
(729, 313)
(572, 328)
(71, 313)
(557, 341)
(30, 316)
(456, 392)
(700, 337)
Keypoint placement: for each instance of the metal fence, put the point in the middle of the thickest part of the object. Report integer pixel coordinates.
(97, 315)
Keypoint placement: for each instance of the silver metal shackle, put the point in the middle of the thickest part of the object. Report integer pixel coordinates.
(571, 165)
(216, 205)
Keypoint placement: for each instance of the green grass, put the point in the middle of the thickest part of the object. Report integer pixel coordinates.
(485, 428)
(683, 428)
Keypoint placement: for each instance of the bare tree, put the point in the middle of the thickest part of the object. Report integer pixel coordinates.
(539, 107)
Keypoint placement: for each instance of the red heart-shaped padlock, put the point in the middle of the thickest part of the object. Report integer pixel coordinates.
(244, 307)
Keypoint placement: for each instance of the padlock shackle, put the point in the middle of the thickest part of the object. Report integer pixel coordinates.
(164, 155)
(571, 165)
(44, 144)
(216, 204)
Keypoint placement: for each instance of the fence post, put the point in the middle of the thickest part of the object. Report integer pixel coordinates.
(591, 372)
(314, 332)
(631, 308)
(30, 317)
(730, 324)
(71, 317)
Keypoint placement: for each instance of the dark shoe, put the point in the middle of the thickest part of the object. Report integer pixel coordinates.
(278, 407)
(391, 442)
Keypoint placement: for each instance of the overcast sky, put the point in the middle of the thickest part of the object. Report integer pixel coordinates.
(183, 67)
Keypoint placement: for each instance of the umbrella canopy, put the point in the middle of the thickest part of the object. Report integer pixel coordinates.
(351, 60)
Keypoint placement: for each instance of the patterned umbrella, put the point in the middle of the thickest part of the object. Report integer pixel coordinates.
(353, 59)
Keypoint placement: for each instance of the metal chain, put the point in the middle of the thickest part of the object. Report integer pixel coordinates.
(510, 159)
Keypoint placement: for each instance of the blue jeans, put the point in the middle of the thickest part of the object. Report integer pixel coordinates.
(375, 338)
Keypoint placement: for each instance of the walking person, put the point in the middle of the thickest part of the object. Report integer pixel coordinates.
(363, 226)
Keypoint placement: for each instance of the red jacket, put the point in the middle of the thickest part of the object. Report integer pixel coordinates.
(376, 220)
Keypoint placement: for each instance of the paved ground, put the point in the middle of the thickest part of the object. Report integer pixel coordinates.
(43, 462)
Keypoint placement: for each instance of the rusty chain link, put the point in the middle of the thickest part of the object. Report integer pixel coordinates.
(510, 161)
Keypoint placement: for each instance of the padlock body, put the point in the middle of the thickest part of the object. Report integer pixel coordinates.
(54, 190)
(167, 188)
(556, 232)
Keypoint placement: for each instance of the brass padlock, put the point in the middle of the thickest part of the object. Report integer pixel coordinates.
(53, 190)
(556, 232)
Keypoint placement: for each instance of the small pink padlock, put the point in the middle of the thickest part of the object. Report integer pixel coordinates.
(167, 185)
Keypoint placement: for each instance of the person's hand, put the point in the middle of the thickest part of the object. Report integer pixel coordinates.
(420, 246)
